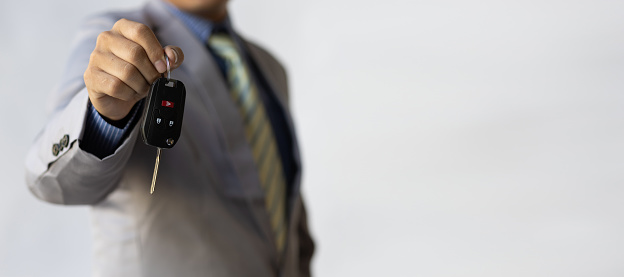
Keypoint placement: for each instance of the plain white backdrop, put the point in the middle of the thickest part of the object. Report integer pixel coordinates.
(440, 138)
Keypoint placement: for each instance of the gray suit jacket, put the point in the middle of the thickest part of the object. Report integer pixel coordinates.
(207, 215)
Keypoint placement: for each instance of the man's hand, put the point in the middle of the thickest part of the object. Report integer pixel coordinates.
(125, 62)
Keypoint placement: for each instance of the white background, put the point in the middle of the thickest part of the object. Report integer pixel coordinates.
(440, 138)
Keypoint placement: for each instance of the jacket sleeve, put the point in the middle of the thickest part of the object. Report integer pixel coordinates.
(57, 169)
(306, 243)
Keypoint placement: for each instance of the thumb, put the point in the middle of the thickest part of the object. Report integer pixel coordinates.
(176, 56)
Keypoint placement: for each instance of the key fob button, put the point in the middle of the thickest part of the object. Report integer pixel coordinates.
(158, 119)
(170, 124)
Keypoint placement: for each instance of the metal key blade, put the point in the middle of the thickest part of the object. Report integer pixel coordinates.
(155, 170)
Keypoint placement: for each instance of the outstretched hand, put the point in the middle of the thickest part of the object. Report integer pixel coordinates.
(125, 62)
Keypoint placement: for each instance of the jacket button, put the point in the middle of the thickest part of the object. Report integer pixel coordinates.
(56, 148)
(65, 141)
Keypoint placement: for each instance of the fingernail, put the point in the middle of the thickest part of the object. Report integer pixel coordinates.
(175, 53)
(160, 65)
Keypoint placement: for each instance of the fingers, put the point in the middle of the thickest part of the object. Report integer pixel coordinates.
(134, 54)
(125, 61)
(176, 56)
(102, 83)
(111, 97)
(143, 35)
(125, 72)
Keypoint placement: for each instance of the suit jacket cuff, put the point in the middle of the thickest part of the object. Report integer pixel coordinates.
(72, 175)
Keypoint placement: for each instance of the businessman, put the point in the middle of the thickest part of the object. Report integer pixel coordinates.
(227, 199)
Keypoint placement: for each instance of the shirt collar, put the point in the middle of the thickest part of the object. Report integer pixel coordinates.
(200, 27)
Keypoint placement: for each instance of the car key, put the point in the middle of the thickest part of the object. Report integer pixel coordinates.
(162, 115)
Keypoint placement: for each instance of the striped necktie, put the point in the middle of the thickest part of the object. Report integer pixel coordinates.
(258, 132)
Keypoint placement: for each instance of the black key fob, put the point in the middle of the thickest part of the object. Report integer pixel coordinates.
(163, 112)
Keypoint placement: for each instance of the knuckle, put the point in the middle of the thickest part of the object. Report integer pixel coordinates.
(94, 57)
(139, 30)
(128, 72)
(103, 37)
(119, 23)
(87, 80)
(87, 75)
(92, 82)
(99, 40)
(119, 90)
(90, 76)
(116, 86)
(136, 53)
(142, 29)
